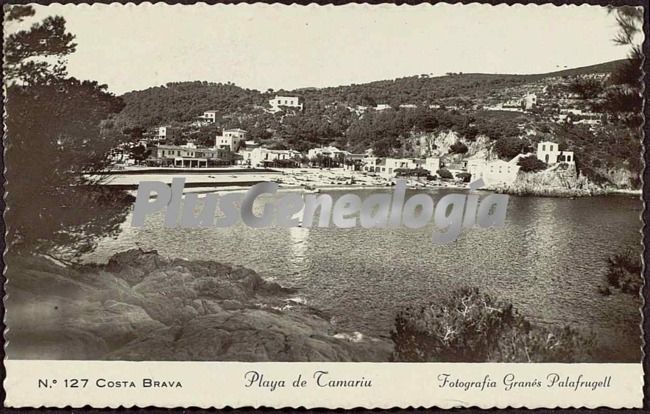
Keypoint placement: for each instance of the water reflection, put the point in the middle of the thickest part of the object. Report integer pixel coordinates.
(549, 260)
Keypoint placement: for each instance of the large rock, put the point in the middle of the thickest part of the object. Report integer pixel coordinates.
(141, 306)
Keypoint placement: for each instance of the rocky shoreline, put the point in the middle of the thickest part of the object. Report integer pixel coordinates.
(556, 182)
(143, 306)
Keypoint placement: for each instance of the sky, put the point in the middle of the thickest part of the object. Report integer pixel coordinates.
(259, 46)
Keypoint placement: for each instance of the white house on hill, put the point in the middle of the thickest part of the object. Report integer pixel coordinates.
(550, 153)
(288, 101)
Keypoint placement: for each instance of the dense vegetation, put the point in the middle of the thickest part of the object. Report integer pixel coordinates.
(469, 326)
(58, 129)
(624, 273)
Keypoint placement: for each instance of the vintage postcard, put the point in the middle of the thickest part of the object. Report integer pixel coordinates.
(246, 205)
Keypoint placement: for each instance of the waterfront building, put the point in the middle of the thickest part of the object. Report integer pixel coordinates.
(230, 139)
(189, 155)
(370, 164)
(331, 152)
(354, 162)
(393, 164)
(493, 172)
(264, 157)
(432, 164)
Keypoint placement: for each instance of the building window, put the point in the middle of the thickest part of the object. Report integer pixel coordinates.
(543, 147)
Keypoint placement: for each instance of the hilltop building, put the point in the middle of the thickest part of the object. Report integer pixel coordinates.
(287, 101)
(550, 153)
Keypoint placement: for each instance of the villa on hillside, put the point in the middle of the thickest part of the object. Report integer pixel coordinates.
(167, 133)
(550, 153)
(287, 101)
(209, 116)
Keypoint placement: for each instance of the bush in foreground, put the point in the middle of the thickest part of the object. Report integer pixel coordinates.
(473, 327)
(624, 272)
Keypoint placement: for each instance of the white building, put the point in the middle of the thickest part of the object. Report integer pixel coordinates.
(550, 153)
(372, 164)
(530, 101)
(382, 107)
(387, 167)
(230, 139)
(261, 157)
(493, 172)
(209, 116)
(331, 152)
(188, 155)
(287, 101)
(167, 132)
(432, 164)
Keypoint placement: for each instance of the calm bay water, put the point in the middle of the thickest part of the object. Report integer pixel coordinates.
(548, 260)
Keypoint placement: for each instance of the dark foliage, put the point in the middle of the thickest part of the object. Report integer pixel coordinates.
(57, 136)
(469, 326)
(531, 164)
(624, 272)
(445, 174)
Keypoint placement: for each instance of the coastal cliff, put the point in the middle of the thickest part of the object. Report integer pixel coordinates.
(561, 180)
(143, 306)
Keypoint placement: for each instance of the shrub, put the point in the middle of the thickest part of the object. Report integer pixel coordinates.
(464, 176)
(472, 327)
(458, 148)
(508, 147)
(624, 272)
(445, 174)
(531, 164)
(408, 172)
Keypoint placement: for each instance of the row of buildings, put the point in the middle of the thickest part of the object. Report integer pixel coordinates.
(231, 147)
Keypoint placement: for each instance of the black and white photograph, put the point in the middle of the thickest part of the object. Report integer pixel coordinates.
(440, 183)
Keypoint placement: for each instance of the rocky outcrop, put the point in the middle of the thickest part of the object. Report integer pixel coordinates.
(561, 180)
(439, 143)
(143, 306)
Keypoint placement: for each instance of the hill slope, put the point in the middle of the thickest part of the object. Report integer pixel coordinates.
(183, 101)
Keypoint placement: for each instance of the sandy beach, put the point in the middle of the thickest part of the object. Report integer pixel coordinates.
(237, 179)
